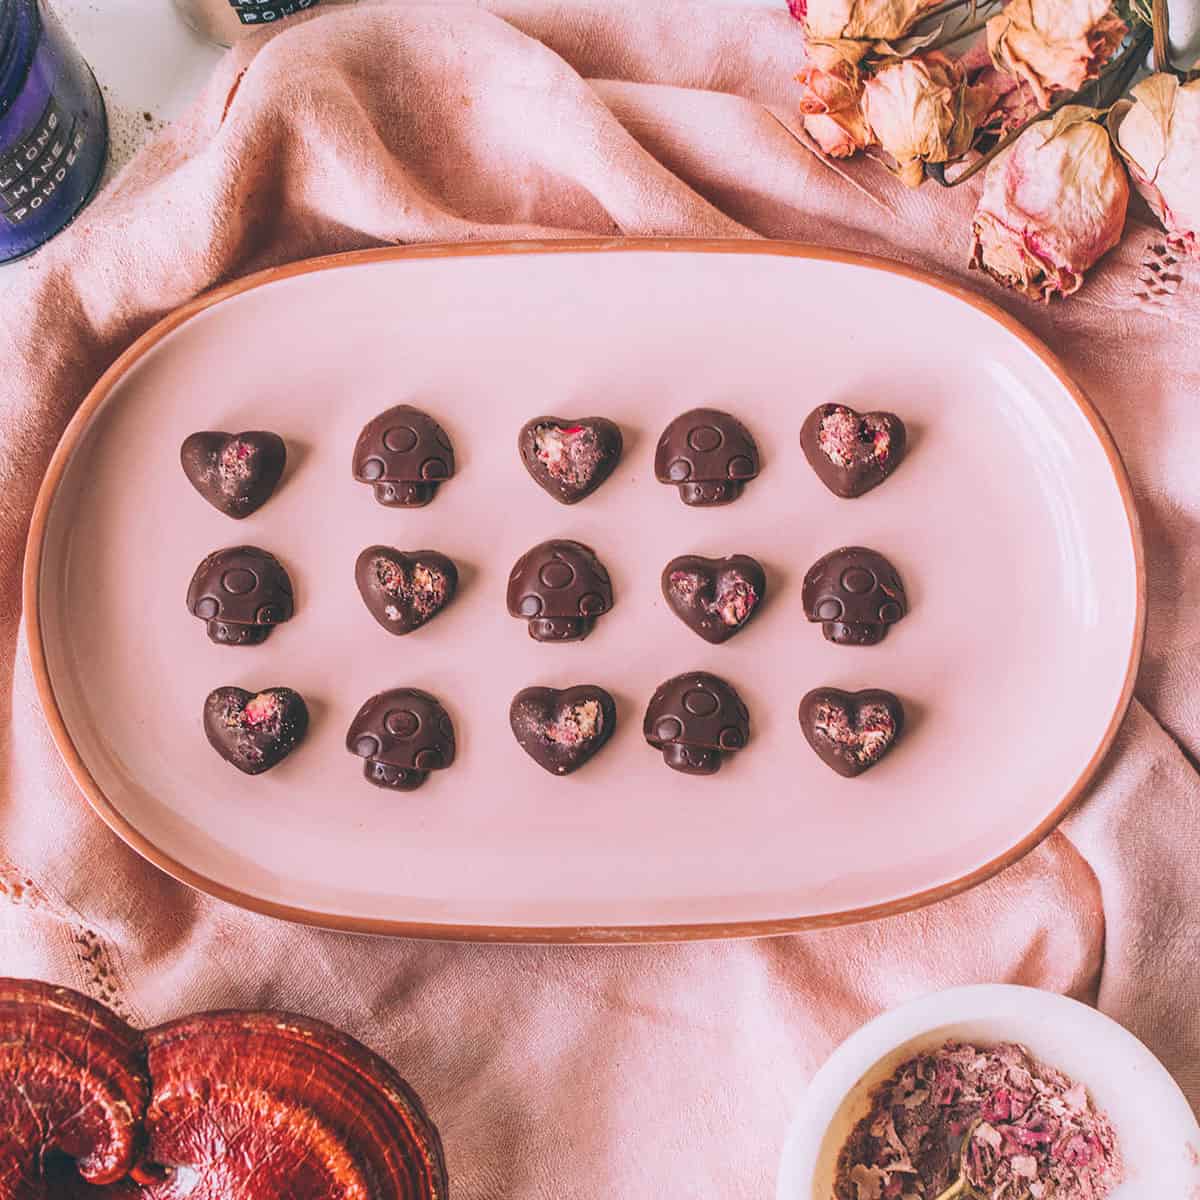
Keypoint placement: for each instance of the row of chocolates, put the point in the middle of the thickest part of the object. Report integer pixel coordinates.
(559, 588)
(405, 455)
(695, 720)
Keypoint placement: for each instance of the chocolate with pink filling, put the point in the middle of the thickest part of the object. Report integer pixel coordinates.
(235, 473)
(255, 732)
(982, 1123)
(404, 591)
(570, 457)
(562, 730)
(852, 452)
(714, 597)
(851, 731)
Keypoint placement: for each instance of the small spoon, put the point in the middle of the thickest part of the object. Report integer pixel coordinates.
(962, 1188)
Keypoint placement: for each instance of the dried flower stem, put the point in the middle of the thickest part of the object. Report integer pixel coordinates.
(957, 35)
(1112, 80)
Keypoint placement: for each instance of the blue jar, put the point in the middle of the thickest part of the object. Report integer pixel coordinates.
(53, 129)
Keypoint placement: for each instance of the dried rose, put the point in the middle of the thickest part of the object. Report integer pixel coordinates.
(1158, 135)
(1052, 204)
(830, 97)
(871, 20)
(1054, 45)
(839, 134)
(922, 109)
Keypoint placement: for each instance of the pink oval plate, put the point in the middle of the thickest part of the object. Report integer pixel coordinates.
(1011, 522)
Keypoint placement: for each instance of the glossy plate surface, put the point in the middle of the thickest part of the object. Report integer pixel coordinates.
(1010, 522)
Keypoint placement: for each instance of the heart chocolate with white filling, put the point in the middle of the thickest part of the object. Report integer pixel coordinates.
(852, 452)
(403, 591)
(562, 730)
(235, 472)
(851, 731)
(569, 457)
(255, 731)
(715, 597)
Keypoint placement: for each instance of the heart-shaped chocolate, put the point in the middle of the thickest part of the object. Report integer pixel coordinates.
(851, 731)
(562, 730)
(852, 452)
(569, 457)
(235, 472)
(403, 591)
(255, 731)
(715, 597)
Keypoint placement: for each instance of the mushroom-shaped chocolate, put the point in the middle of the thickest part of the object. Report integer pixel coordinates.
(694, 719)
(560, 587)
(403, 454)
(709, 454)
(856, 594)
(403, 734)
(242, 593)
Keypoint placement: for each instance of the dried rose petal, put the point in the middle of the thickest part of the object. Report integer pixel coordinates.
(921, 109)
(1052, 204)
(869, 20)
(1054, 45)
(1051, 1142)
(1158, 135)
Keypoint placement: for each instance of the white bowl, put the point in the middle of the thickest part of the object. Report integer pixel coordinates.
(1158, 1135)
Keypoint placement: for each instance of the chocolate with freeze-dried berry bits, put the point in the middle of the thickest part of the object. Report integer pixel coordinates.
(561, 730)
(851, 731)
(255, 731)
(569, 458)
(852, 452)
(404, 591)
(235, 472)
(714, 597)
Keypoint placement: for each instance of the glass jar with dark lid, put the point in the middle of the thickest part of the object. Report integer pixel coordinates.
(53, 131)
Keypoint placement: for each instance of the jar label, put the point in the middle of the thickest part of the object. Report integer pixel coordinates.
(34, 169)
(259, 12)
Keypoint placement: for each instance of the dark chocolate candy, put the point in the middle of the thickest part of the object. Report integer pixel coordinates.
(404, 590)
(235, 472)
(694, 719)
(402, 734)
(856, 594)
(569, 457)
(715, 597)
(560, 587)
(403, 454)
(241, 593)
(851, 731)
(562, 730)
(254, 731)
(852, 452)
(708, 454)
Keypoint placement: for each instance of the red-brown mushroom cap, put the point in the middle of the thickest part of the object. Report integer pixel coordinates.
(271, 1105)
(72, 1087)
(404, 454)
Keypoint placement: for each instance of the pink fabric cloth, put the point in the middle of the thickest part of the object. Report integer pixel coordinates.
(642, 1072)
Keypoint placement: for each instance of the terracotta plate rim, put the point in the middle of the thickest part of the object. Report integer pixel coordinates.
(554, 933)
